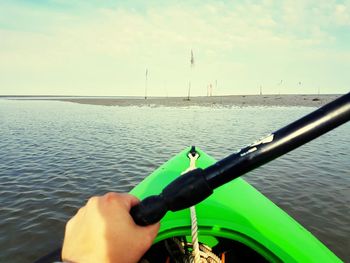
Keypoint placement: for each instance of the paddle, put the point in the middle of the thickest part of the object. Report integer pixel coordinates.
(194, 186)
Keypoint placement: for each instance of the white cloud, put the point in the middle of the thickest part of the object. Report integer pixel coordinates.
(225, 37)
(342, 14)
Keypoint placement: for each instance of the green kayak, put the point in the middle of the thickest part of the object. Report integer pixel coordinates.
(236, 222)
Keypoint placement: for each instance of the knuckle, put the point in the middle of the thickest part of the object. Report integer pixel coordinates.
(111, 196)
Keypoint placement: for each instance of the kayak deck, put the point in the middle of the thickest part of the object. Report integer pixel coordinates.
(236, 211)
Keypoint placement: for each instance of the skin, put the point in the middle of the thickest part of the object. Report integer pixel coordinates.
(103, 231)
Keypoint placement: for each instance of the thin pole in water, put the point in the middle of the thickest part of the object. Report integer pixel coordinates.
(279, 87)
(189, 84)
(216, 85)
(146, 83)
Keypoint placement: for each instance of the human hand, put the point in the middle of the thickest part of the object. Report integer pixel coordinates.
(103, 231)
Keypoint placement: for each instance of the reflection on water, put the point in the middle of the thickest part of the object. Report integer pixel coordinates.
(54, 155)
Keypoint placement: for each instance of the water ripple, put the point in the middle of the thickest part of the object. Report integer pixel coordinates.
(55, 155)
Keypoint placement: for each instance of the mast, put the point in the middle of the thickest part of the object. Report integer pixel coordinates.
(146, 80)
(189, 84)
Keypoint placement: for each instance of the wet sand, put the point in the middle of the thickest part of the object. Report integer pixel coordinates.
(225, 101)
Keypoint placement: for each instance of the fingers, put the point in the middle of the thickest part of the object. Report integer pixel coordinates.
(116, 200)
(131, 200)
(126, 200)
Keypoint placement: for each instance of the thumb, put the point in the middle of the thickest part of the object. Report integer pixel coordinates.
(149, 233)
(153, 229)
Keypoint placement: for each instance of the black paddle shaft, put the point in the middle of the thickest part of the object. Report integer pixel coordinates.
(194, 186)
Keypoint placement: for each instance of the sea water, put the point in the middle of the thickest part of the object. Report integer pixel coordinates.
(55, 155)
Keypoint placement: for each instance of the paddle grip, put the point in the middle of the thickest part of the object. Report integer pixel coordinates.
(187, 190)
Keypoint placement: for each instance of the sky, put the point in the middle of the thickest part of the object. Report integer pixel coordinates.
(103, 48)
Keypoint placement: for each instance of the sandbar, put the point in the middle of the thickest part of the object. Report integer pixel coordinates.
(213, 101)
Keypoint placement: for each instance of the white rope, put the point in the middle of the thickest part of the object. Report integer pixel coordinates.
(209, 253)
(194, 226)
(194, 232)
(200, 252)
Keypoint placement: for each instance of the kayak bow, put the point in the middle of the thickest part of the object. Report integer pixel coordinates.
(236, 211)
(236, 219)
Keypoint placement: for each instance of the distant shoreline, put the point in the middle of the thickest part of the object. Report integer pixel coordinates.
(225, 101)
(307, 100)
